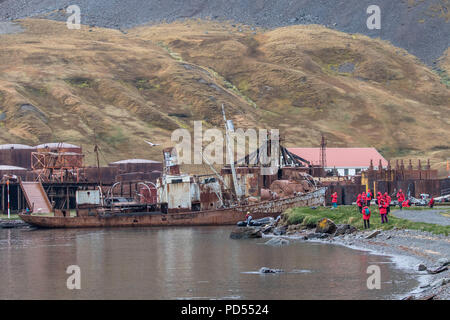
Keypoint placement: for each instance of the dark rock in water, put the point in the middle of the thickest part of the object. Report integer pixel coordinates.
(8, 224)
(246, 233)
(277, 242)
(279, 231)
(344, 229)
(268, 270)
(326, 226)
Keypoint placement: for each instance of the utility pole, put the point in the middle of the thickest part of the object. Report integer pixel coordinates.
(7, 191)
(98, 161)
(237, 188)
(323, 155)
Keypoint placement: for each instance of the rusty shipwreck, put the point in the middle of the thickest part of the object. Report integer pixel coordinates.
(180, 199)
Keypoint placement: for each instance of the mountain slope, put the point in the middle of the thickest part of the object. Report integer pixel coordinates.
(60, 84)
(420, 26)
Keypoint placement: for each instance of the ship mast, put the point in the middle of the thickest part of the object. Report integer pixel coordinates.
(237, 188)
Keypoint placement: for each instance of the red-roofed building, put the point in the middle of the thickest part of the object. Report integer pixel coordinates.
(347, 161)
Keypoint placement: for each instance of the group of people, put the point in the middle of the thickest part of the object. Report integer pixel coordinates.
(402, 201)
(382, 200)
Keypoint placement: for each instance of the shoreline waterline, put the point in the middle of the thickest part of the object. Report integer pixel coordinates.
(407, 263)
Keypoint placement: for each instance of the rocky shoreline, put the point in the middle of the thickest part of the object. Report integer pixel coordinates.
(9, 224)
(423, 254)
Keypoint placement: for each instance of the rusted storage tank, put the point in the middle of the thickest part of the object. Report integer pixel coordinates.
(58, 147)
(13, 170)
(137, 165)
(18, 155)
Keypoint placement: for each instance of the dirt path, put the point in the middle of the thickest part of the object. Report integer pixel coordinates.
(428, 216)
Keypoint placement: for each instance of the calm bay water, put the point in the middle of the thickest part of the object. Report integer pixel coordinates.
(184, 263)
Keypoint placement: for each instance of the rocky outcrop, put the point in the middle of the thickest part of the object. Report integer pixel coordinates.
(373, 234)
(317, 235)
(326, 226)
(278, 231)
(8, 224)
(345, 229)
(246, 233)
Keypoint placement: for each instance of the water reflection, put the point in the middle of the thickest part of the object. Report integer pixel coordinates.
(183, 263)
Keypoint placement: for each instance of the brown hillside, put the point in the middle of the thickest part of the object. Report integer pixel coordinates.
(60, 84)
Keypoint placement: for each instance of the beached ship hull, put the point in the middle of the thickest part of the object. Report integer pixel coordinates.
(227, 216)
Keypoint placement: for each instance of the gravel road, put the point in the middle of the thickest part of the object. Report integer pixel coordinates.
(428, 216)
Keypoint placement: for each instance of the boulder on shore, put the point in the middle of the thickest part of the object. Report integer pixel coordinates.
(421, 267)
(344, 229)
(317, 235)
(373, 234)
(326, 226)
(278, 231)
(246, 233)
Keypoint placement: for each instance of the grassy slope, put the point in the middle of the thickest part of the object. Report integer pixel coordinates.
(351, 215)
(303, 80)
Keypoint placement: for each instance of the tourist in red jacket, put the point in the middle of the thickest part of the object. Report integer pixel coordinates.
(388, 200)
(364, 198)
(359, 203)
(369, 197)
(400, 198)
(366, 217)
(334, 197)
(379, 196)
(383, 211)
(406, 204)
(431, 203)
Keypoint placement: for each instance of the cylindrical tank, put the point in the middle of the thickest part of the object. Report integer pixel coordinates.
(18, 155)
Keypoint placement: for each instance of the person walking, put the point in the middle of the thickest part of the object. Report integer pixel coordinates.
(431, 203)
(334, 197)
(379, 196)
(366, 217)
(359, 203)
(364, 198)
(388, 200)
(368, 197)
(400, 198)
